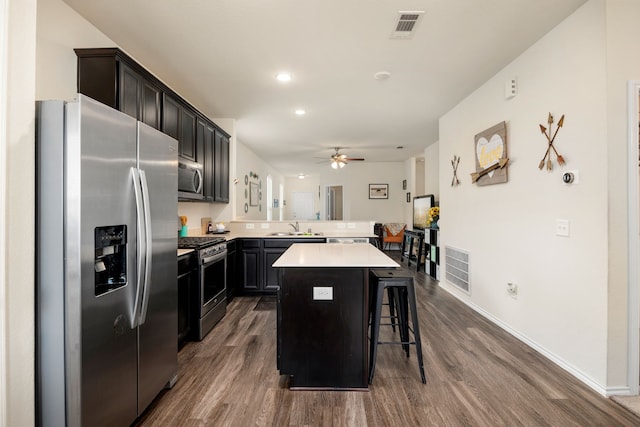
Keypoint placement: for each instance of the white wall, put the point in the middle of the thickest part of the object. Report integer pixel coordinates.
(248, 162)
(355, 179)
(18, 159)
(623, 64)
(60, 30)
(509, 229)
(432, 170)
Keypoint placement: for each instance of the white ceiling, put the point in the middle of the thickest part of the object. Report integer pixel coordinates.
(222, 55)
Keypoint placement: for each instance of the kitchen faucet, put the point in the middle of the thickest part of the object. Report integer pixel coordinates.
(295, 227)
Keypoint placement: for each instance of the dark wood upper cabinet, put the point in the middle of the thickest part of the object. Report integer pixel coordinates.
(205, 136)
(171, 117)
(110, 76)
(151, 104)
(221, 160)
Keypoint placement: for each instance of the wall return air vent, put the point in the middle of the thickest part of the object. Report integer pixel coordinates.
(406, 24)
(457, 265)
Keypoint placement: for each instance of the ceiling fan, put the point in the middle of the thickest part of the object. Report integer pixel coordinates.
(338, 160)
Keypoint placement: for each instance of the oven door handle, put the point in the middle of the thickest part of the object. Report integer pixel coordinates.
(214, 258)
(148, 247)
(140, 243)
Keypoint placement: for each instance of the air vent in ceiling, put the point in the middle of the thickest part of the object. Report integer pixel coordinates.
(406, 24)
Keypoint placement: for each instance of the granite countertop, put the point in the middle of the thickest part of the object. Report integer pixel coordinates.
(184, 251)
(334, 255)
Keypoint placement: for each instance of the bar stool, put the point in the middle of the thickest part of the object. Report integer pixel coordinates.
(404, 297)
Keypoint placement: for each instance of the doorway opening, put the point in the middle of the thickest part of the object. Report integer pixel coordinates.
(335, 202)
(302, 205)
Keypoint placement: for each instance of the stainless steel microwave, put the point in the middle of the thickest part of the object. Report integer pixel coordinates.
(189, 180)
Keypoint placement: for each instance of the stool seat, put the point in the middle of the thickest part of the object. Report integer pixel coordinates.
(402, 297)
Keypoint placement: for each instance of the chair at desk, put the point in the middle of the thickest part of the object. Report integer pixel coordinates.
(394, 233)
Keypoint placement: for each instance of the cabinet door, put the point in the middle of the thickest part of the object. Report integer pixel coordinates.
(171, 118)
(271, 278)
(205, 138)
(232, 271)
(221, 180)
(251, 270)
(187, 139)
(150, 105)
(129, 91)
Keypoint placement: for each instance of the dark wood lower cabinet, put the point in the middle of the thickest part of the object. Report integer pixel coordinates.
(187, 283)
(323, 343)
(257, 256)
(232, 270)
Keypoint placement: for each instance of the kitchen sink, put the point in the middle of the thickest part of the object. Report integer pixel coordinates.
(293, 233)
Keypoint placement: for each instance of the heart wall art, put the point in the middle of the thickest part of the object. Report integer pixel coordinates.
(491, 156)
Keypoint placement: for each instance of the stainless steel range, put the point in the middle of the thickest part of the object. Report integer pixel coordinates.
(211, 304)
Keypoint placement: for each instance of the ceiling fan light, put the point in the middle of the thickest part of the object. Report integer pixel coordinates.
(341, 164)
(334, 164)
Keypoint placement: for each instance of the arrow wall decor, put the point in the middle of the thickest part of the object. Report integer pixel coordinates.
(546, 160)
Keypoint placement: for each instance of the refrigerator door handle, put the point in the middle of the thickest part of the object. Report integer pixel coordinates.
(148, 247)
(141, 242)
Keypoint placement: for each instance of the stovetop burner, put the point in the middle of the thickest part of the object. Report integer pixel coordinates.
(198, 242)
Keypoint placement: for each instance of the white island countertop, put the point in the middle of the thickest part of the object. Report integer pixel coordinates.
(334, 255)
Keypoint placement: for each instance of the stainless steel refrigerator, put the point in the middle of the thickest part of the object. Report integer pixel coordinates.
(106, 264)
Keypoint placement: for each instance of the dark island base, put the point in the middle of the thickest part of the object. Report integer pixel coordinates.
(322, 344)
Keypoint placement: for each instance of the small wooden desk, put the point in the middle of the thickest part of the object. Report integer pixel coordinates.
(410, 235)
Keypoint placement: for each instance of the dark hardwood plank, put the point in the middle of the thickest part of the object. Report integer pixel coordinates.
(477, 375)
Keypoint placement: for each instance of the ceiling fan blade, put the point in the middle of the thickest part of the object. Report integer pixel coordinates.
(351, 159)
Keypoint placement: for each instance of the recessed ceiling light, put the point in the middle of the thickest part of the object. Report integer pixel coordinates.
(300, 112)
(283, 77)
(382, 75)
(301, 176)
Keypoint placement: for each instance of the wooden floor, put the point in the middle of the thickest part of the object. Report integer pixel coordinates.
(477, 375)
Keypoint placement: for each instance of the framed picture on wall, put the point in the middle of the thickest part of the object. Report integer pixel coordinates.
(253, 194)
(378, 191)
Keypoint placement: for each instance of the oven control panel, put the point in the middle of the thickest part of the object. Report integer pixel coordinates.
(210, 251)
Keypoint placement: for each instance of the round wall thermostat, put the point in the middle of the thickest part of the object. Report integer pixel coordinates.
(567, 177)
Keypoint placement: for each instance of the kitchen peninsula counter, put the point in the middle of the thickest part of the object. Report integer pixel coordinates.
(323, 313)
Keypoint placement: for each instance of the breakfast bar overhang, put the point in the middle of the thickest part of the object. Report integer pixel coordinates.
(323, 313)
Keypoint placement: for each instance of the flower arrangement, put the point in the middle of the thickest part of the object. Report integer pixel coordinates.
(434, 215)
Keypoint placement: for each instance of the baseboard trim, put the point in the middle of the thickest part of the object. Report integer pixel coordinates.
(590, 382)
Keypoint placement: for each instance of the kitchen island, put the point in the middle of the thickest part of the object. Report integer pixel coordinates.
(323, 313)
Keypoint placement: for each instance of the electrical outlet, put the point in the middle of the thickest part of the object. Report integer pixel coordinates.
(351, 225)
(562, 227)
(512, 290)
(249, 226)
(322, 293)
(264, 225)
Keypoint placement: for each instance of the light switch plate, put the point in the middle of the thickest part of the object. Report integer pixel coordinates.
(322, 293)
